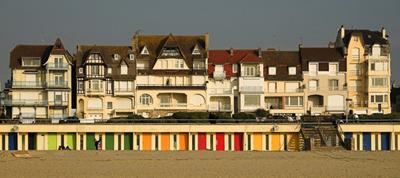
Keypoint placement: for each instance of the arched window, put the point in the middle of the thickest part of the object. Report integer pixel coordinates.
(355, 52)
(198, 100)
(146, 99)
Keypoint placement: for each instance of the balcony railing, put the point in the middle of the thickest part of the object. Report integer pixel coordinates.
(161, 86)
(295, 90)
(252, 89)
(166, 105)
(25, 84)
(25, 102)
(214, 91)
(354, 88)
(355, 72)
(57, 66)
(123, 89)
(219, 75)
(57, 84)
(58, 103)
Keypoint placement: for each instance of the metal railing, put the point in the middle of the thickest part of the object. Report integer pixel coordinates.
(252, 89)
(57, 66)
(58, 103)
(224, 107)
(123, 89)
(214, 91)
(25, 102)
(171, 85)
(25, 84)
(57, 84)
(163, 105)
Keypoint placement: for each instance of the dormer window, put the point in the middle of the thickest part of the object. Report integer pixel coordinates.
(271, 70)
(292, 70)
(30, 62)
(131, 57)
(170, 52)
(95, 56)
(81, 70)
(116, 57)
(124, 69)
(196, 50)
(145, 51)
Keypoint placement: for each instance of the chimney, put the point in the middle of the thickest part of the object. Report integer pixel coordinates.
(300, 45)
(231, 51)
(207, 40)
(259, 52)
(134, 41)
(383, 31)
(331, 44)
(342, 32)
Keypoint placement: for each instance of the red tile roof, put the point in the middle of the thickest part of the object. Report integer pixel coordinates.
(239, 55)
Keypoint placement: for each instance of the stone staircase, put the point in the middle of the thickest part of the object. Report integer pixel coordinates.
(320, 136)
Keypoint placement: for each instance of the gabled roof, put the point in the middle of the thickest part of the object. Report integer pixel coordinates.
(107, 52)
(239, 55)
(322, 55)
(369, 37)
(282, 60)
(155, 44)
(37, 51)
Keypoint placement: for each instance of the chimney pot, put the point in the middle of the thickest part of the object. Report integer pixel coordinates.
(342, 32)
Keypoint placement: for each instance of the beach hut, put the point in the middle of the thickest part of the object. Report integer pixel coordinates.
(201, 141)
(220, 145)
(238, 141)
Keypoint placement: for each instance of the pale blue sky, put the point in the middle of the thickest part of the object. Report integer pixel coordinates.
(279, 24)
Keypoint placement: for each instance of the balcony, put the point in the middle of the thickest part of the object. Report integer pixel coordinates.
(92, 91)
(294, 90)
(58, 103)
(337, 88)
(25, 84)
(123, 91)
(57, 66)
(219, 91)
(171, 86)
(173, 105)
(355, 72)
(25, 102)
(355, 88)
(377, 58)
(57, 84)
(219, 75)
(252, 89)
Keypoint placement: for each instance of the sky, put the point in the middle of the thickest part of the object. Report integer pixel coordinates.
(281, 24)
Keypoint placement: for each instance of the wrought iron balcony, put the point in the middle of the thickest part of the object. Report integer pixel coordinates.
(57, 84)
(25, 102)
(57, 66)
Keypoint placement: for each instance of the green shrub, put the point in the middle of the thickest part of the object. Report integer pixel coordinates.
(191, 115)
(135, 116)
(243, 115)
(262, 113)
(220, 115)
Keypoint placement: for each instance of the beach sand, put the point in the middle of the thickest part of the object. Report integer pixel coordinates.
(200, 164)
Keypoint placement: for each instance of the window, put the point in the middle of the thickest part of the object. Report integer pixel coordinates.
(30, 62)
(58, 79)
(80, 85)
(294, 101)
(313, 85)
(170, 51)
(379, 98)
(292, 70)
(234, 68)
(249, 71)
(95, 69)
(116, 57)
(198, 64)
(196, 50)
(146, 99)
(252, 100)
(81, 70)
(58, 63)
(124, 69)
(333, 85)
(96, 85)
(378, 66)
(109, 105)
(333, 69)
(109, 71)
(313, 68)
(131, 57)
(144, 51)
(179, 64)
(379, 81)
(272, 87)
(95, 56)
(292, 87)
(376, 50)
(271, 70)
(355, 53)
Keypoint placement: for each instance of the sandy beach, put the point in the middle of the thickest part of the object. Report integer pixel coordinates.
(200, 164)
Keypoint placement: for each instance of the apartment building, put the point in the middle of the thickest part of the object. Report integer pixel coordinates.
(105, 80)
(324, 76)
(40, 85)
(368, 64)
(171, 73)
(283, 82)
